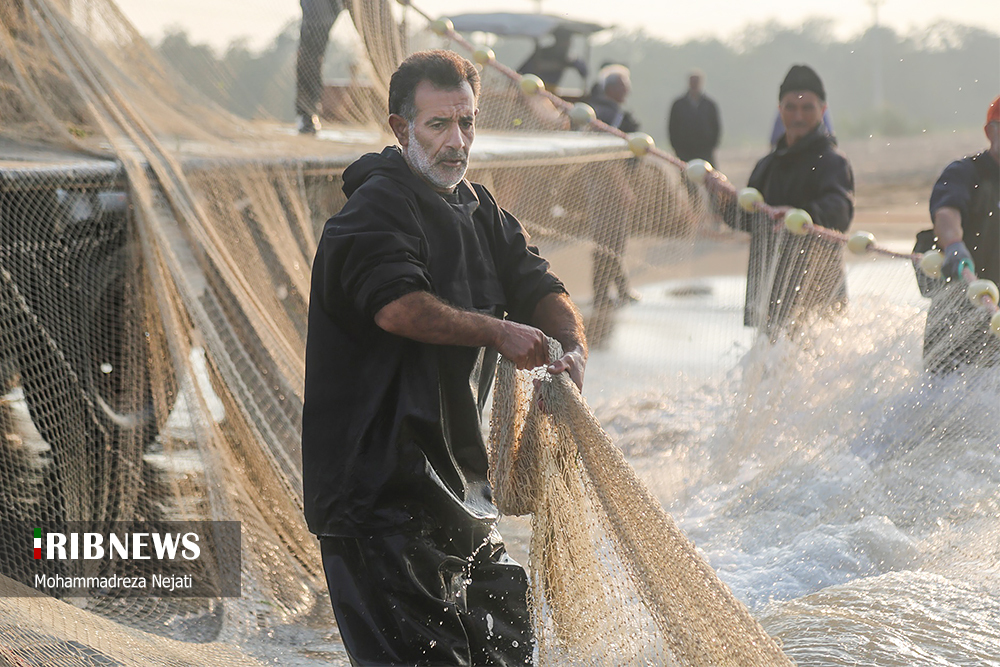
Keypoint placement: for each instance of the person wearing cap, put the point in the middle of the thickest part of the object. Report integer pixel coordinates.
(791, 278)
(614, 85)
(965, 209)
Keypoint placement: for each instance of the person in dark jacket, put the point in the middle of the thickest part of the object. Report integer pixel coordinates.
(693, 125)
(418, 283)
(965, 208)
(791, 277)
(614, 83)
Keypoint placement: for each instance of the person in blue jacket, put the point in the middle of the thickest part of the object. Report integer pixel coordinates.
(965, 209)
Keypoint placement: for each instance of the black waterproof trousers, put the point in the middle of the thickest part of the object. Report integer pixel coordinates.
(318, 17)
(416, 600)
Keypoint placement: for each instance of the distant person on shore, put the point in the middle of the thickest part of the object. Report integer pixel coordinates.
(791, 277)
(318, 17)
(549, 62)
(965, 209)
(614, 84)
(610, 232)
(598, 88)
(693, 125)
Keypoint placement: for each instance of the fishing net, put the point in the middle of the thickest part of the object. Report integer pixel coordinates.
(614, 580)
(154, 266)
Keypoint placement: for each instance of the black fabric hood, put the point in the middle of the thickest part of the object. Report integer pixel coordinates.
(389, 163)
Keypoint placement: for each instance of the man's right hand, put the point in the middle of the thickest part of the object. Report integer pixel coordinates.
(955, 255)
(526, 346)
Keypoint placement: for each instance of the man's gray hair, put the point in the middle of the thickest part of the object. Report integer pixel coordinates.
(614, 74)
(444, 69)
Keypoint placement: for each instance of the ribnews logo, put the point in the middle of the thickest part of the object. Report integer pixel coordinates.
(134, 546)
(165, 559)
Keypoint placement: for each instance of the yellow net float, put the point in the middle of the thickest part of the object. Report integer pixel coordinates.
(484, 55)
(860, 242)
(698, 170)
(640, 143)
(798, 221)
(977, 289)
(531, 84)
(931, 263)
(442, 26)
(749, 198)
(581, 114)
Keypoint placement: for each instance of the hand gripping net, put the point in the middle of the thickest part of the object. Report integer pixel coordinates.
(614, 580)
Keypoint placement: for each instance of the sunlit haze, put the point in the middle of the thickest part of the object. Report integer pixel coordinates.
(219, 22)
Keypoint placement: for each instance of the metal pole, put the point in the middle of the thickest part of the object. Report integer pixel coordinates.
(878, 98)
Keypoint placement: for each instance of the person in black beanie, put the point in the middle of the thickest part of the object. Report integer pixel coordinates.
(791, 278)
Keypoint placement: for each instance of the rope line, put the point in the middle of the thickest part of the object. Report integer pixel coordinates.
(714, 181)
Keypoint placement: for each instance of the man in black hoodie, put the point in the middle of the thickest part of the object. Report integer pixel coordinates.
(790, 278)
(418, 283)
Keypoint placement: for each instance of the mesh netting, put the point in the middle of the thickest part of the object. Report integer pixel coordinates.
(154, 264)
(614, 580)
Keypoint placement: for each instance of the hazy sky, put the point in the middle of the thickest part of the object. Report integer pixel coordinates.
(218, 22)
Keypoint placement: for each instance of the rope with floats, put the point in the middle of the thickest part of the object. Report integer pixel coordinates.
(980, 292)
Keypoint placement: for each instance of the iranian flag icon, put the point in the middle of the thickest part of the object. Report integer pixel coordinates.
(38, 543)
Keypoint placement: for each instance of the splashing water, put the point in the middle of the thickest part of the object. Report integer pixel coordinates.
(846, 496)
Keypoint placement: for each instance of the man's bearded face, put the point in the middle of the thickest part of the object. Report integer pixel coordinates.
(440, 135)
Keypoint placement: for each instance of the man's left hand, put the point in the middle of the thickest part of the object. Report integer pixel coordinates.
(572, 362)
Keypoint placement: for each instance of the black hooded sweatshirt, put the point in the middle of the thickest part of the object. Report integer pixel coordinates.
(391, 434)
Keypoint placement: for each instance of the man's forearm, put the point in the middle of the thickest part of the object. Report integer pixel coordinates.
(556, 315)
(947, 226)
(423, 317)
